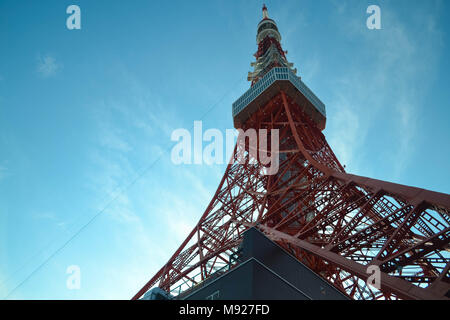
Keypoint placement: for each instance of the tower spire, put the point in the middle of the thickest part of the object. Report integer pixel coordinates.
(270, 53)
(265, 12)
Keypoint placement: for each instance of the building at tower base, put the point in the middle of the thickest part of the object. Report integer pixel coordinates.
(263, 271)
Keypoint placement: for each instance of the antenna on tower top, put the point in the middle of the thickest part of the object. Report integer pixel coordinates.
(265, 13)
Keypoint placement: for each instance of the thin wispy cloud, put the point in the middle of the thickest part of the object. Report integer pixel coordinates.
(51, 217)
(132, 133)
(47, 66)
(3, 172)
(123, 154)
(390, 93)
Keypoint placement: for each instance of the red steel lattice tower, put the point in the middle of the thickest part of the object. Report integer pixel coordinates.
(336, 223)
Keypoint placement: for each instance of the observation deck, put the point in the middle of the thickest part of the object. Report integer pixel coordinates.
(276, 80)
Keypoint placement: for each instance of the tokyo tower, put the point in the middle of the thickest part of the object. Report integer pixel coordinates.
(337, 224)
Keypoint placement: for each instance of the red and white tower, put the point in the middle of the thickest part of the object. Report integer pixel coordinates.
(340, 225)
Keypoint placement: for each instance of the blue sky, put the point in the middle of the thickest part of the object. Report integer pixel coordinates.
(84, 115)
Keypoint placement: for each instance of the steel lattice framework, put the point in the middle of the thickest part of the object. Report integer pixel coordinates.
(336, 223)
